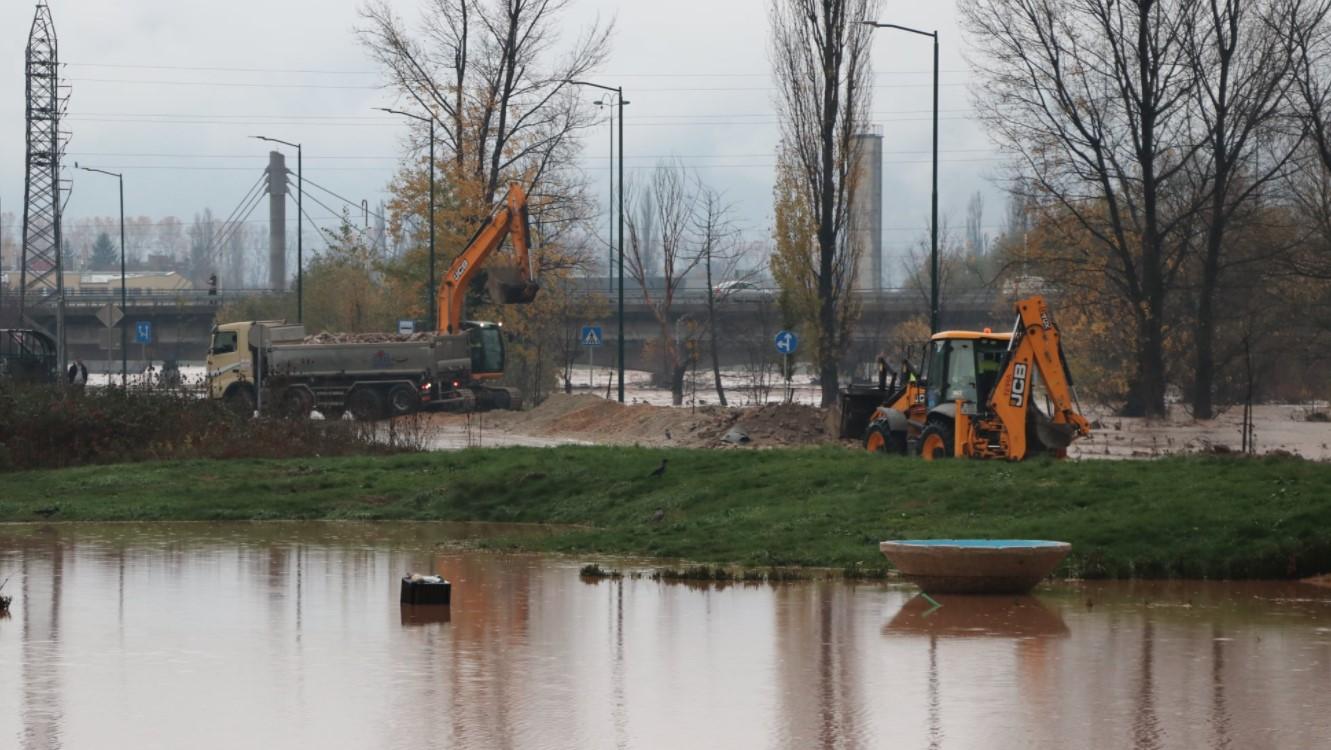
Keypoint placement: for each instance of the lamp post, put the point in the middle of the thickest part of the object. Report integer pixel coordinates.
(618, 91)
(933, 221)
(124, 306)
(606, 101)
(430, 291)
(300, 225)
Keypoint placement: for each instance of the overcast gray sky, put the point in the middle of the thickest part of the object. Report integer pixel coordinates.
(168, 91)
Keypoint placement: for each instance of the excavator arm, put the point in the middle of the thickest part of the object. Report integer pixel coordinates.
(515, 285)
(1035, 351)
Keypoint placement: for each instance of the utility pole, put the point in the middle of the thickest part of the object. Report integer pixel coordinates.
(618, 91)
(300, 225)
(933, 216)
(124, 298)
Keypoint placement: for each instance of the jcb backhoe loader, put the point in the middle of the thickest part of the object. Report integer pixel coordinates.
(975, 396)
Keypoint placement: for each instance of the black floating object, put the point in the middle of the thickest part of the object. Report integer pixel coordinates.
(426, 590)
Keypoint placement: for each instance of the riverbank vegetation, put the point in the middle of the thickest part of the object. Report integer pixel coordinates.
(44, 427)
(1197, 517)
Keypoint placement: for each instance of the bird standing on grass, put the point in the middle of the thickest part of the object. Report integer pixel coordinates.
(660, 470)
(47, 512)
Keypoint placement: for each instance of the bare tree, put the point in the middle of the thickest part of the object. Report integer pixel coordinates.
(494, 73)
(820, 57)
(1244, 72)
(1094, 99)
(660, 225)
(718, 245)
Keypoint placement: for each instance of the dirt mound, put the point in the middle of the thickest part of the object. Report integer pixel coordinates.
(599, 420)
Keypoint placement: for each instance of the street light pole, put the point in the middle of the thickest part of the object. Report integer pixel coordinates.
(618, 91)
(430, 292)
(300, 224)
(124, 299)
(610, 200)
(933, 220)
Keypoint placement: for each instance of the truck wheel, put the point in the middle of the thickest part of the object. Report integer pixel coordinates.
(296, 403)
(402, 400)
(936, 442)
(240, 400)
(880, 439)
(366, 405)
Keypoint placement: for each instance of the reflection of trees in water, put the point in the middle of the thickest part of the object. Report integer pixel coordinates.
(1146, 731)
(1219, 708)
(42, 709)
(816, 648)
(935, 702)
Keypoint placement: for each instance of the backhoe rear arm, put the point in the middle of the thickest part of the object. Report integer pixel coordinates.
(1035, 349)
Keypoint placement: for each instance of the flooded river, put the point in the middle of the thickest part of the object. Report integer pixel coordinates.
(291, 636)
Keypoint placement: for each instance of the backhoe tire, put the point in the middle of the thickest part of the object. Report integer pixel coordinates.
(366, 405)
(402, 400)
(880, 439)
(936, 441)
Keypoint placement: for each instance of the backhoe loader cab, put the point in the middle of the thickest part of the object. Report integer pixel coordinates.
(963, 365)
(975, 396)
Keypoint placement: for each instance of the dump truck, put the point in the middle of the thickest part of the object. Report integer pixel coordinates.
(269, 364)
(452, 369)
(975, 395)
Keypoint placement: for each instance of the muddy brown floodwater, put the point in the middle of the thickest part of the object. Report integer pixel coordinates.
(290, 636)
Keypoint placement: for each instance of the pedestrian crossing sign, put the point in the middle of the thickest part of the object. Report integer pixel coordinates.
(591, 336)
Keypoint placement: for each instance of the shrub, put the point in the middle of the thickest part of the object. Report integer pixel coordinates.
(45, 427)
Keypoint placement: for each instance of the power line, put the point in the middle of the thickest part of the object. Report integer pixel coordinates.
(254, 84)
(344, 200)
(315, 71)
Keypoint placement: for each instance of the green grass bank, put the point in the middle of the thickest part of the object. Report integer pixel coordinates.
(1182, 517)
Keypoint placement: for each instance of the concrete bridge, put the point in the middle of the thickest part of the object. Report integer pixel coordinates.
(747, 322)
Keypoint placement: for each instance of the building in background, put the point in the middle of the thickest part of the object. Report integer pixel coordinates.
(866, 210)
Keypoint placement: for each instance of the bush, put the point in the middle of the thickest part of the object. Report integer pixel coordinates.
(45, 427)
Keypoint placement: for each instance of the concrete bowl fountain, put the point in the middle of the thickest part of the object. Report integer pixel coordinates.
(975, 566)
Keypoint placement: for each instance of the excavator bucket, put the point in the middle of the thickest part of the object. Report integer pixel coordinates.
(508, 288)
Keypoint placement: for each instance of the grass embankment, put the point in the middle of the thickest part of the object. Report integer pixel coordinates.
(1182, 517)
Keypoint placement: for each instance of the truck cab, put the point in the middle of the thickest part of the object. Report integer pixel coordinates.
(231, 373)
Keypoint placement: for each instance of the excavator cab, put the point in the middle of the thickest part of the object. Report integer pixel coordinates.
(485, 344)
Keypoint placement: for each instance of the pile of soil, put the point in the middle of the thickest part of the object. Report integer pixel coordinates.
(324, 337)
(599, 420)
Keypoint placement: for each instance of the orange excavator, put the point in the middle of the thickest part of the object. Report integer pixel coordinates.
(512, 283)
(975, 396)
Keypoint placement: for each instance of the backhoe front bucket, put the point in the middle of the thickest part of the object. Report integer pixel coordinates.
(508, 288)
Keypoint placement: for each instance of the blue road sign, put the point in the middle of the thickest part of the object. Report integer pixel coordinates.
(143, 332)
(591, 336)
(787, 342)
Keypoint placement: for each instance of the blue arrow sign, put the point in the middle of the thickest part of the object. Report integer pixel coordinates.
(143, 332)
(787, 342)
(591, 336)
